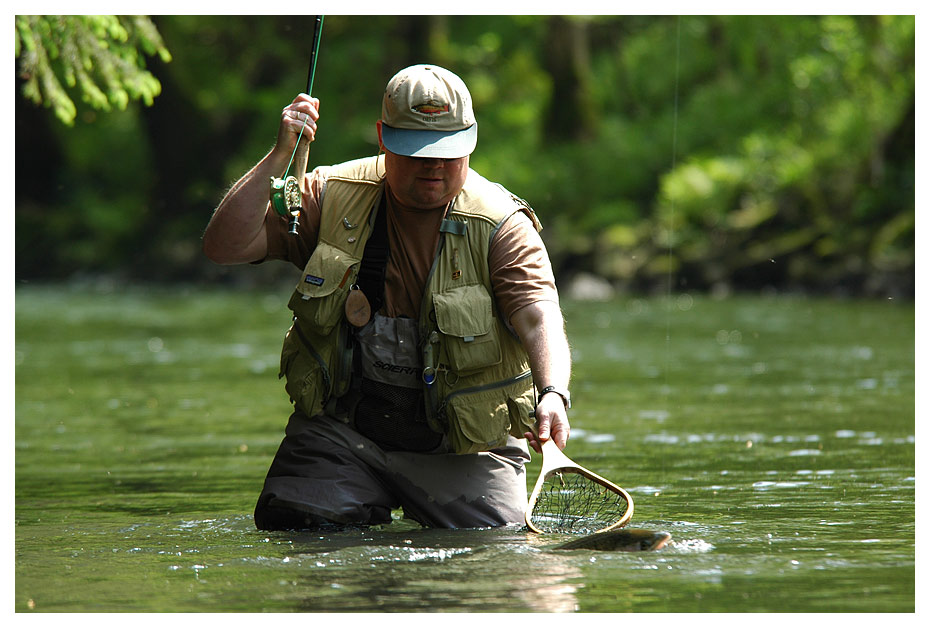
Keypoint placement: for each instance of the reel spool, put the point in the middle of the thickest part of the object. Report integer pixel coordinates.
(285, 199)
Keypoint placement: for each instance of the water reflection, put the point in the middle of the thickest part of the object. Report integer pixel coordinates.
(439, 570)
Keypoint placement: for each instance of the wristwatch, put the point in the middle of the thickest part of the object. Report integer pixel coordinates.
(561, 392)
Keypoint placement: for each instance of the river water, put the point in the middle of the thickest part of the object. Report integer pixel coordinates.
(772, 436)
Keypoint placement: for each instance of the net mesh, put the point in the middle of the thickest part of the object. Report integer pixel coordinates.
(572, 503)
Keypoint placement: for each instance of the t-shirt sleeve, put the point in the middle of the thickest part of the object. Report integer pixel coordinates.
(521, 272)
(284, 245)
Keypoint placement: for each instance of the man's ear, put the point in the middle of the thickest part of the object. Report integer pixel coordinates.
(380, 143)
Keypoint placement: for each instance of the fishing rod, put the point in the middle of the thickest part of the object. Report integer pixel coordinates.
(285, 191)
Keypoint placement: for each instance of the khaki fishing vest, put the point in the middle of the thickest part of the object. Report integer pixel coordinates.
(476, 378)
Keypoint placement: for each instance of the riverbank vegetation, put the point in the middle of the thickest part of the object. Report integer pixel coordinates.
(704, 152)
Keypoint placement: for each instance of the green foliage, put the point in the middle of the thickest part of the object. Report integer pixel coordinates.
(800, 154)
(743, 150)
(98, 56)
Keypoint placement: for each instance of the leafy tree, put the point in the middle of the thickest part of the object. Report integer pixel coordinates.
(813, 186)
(100, 57)
(713, 150)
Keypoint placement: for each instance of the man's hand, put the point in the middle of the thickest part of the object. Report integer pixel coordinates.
(299, 116)
(551, 422)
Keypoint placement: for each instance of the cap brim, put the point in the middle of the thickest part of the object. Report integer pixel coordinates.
(434, 144)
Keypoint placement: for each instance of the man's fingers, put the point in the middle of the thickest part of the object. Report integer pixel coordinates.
(544, 430)
(532, 441)
(303, 109)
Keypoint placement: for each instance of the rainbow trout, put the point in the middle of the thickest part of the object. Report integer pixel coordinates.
(624, 540)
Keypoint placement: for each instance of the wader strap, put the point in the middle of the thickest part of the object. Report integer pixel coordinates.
(374, 260)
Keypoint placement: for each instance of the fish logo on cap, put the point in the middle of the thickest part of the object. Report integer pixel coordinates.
(431, 108)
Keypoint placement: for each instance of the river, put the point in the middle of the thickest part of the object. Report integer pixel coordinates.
(773, 436)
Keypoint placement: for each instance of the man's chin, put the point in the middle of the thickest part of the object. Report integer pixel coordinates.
(429, 201)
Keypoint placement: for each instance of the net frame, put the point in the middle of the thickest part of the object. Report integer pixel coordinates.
(569, 498)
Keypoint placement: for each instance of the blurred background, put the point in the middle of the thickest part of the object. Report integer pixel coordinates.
(708, 153)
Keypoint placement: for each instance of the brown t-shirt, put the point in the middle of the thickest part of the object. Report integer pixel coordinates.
(521, 273)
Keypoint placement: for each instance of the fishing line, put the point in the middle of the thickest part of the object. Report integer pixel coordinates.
(294, 152)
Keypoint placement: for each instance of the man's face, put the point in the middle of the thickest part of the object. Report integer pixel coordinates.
(422, 182)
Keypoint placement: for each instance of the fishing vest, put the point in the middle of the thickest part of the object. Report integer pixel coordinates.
(475, 376)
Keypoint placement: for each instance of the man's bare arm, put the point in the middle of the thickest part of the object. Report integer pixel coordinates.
(541, 329)
(236, 232)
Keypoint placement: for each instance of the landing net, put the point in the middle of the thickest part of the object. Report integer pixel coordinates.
(572, 503)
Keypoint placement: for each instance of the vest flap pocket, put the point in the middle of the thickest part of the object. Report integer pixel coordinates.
(464, 312)
(478, 422)
(319, 300)
(329, 269)
(465, 317)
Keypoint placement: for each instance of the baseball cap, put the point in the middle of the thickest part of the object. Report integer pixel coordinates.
(427, 112)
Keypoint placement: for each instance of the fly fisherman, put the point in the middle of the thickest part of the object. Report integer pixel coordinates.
(427, 340)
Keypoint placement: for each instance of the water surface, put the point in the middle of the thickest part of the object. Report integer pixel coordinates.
(772, 436)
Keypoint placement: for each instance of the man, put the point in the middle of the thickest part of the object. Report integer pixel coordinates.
(427, 340)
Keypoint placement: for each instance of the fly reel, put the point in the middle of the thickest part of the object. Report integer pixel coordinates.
(285, 199)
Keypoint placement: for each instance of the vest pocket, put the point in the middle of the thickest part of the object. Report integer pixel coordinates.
(477, 422)
(465, 315)
(480, 419)
(522, 413)
(320, 297)
(307, 376)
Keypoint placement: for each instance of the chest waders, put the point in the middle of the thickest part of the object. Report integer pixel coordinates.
(467, 378)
